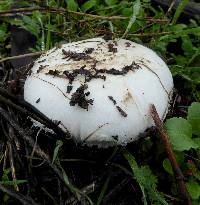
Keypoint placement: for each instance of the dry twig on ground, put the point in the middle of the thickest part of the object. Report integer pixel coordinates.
(177, 171)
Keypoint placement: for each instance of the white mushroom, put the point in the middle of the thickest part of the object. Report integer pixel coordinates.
(100, 90)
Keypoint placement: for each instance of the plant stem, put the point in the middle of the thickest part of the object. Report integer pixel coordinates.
(177, 171)
(21, 56)
(64, 12)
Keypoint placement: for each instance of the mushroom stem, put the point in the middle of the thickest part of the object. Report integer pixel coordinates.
(177, 171)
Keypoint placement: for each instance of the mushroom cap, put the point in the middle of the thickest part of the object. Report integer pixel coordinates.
(100, 90)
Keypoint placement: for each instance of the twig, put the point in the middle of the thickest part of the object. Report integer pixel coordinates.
(19, 108)
(24, 107)
(31, 143)
(116, 190)
(12, 166)
(191, 10)
(5, 157)
(177, 171)
(150, 34)
(23, 199)
(21, 56)
(49, 195)
(64, 12)
(21, 132)
(170, 7)
(90, 188)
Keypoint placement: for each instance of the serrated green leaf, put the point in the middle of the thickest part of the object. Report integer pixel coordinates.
(194, 117)
(187, 45)
(180, 133)
(88, 5)
(133, 164)
(72, 5)
(146, 180)
(193, 189)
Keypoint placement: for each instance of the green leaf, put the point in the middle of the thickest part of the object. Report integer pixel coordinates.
(177, 27)
(194, 117)
(167, 166)
(5, 4)
(24, 3)
(72, 5)
(194, 189)
(29, 24)
(126, 11)
(136, 10)
(59, 144)
(133, 164)
(14, 182)
(197, 141)
(111, 2)
(179, 10)
(88, 5)
(194, 31)
(197, 175)
(5, 174)
(180, 133)
(187, 45)
(3, 35)
(146, 180)
(51, 3)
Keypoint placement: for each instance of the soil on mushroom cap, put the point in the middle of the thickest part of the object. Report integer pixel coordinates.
(124, 114)
(94, 73)
(112, 48)
(79, 97)
(89, 50)
(112, 99)
(75, 56)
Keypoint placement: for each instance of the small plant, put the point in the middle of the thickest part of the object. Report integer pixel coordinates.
(185, 137)
(147, 182)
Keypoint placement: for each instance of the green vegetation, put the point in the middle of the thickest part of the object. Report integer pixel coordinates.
(184, 136)
(176, 38)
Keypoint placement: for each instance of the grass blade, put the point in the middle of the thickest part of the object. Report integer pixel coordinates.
(59, 144)
(136, 9)
(179, 10)
(104, 188)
